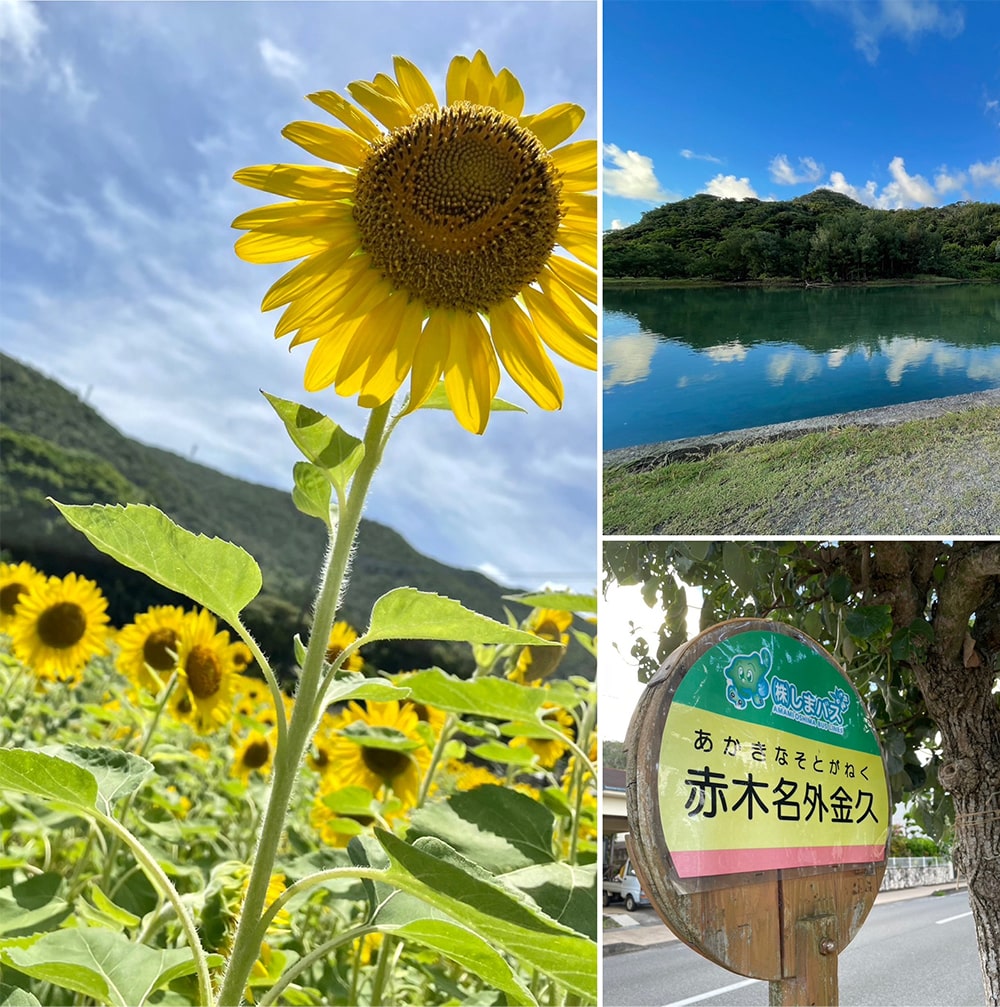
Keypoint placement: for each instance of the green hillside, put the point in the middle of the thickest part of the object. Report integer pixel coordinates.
(821, 237)
(52, 444)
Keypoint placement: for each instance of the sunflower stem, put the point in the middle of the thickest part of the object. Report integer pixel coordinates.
(305, 715)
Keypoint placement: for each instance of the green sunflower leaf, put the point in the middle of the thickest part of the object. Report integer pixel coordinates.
(11, 996)
(312, 491)
(564, 601)
(495, 698)
(438, 399)
(469, 950)
(216, 574)
(117, 773)
(320, 440)
(499, 915)
(48, 777)
(32, 906)
(408, 614)
(489, 825)
(100, 964)
(567, 894)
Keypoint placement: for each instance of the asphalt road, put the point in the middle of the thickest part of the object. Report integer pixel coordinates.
(916, 952)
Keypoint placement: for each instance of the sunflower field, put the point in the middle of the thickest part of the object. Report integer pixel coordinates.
(439, 843)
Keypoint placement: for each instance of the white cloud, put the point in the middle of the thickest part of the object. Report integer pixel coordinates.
(631, 175)
(907, 191)
(902, 18)
(840, 184)
(986, 174)
(690, 155)
(616, 224)
(21, 27)
(279, 62)
(784, 174)
(730, 187)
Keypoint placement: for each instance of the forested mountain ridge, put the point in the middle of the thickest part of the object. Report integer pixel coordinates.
(53, 444)
(823, 237)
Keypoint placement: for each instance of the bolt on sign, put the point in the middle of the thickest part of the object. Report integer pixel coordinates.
(758, 804)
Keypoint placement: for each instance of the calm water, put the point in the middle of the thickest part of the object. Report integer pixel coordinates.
(681, 363)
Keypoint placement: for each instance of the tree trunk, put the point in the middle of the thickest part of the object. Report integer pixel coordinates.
(957, 683)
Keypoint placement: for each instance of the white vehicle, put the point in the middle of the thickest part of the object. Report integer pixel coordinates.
(622, 883)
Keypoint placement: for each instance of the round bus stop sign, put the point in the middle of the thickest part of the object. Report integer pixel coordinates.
(758, 800)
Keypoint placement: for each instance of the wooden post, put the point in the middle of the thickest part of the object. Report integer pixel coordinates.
(814, 983)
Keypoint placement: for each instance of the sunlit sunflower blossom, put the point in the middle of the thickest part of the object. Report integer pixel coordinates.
(372, 767)
(342, 635)
(207, 676)
(147, 647)
(16, 579)
(58, 626)
(535, 664)
(430, 251)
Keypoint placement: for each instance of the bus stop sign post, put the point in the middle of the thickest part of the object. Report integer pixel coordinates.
(758, 805)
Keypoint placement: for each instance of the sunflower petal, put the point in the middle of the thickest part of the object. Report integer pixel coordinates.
(323, 298)
(581, 314)
(471, 375)
(481, 77)
(520, 351)
(351, 116)
(342, 146)
(456, 79)
(555, 124)
(301, 279)
(372, 343)
(278, 217)
(582, 244)
(390, 112)
(558, 332)
(267, 248)
(429, 360)
(298, 181)
(507, 94)
(321, 368)
(577, 164)
(413, 84)
(385, 374)
(578, 278)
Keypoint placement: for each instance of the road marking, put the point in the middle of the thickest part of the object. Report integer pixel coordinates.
(713, 993)
(950, 918)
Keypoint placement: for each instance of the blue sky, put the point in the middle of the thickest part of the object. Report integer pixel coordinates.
(895, 103)
(123, 124)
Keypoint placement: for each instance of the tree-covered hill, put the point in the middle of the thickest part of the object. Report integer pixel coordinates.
(52, 444)
(822, 237)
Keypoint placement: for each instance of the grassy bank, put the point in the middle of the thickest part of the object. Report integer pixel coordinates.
(937, 476)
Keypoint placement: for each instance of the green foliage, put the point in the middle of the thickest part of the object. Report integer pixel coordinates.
(820, 237)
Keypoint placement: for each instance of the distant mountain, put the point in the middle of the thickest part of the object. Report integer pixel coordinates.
(823, 237)
(52, 444)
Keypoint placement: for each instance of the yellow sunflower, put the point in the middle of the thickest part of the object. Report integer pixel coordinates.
(58, 626)
(430, 251)
(359, 764)
(253, 754)
(342, 635)
(151, 643)
(207, 675)
(16, 579)
(534, 664)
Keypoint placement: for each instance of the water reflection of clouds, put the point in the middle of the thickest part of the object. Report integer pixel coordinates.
(627, 359)
(792, 366)
(727, 353)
